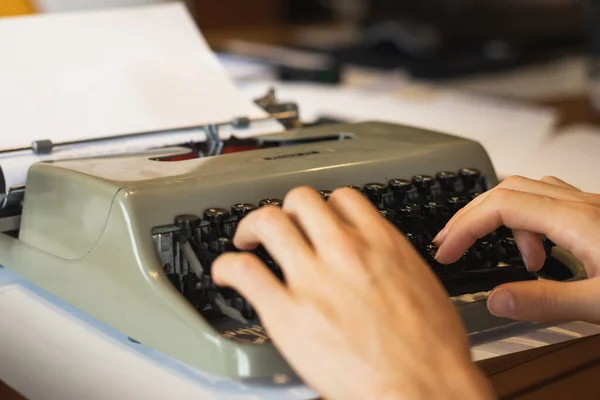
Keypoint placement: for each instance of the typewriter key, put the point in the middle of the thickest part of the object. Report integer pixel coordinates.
(240, 210)
(375, 192)
(423, 183)
(216, 217)
(469, 177)
(390, 215)
(357, 188)
(456, 203)
(509, 248)
(325, 194)
(432, 210)
(222, 245)
(188, 224)
(270, 202)
(488, 254)
(415, 240)
(447, 180)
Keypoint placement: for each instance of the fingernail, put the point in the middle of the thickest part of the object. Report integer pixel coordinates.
(501, 303)
(524, 257)
(440, 236)
(437, 252)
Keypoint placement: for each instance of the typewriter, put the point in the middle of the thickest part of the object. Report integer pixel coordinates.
(130, 240)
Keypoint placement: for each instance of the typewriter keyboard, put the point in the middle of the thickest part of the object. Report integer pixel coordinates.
(419, 206)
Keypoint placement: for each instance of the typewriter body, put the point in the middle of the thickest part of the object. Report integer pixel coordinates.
(129, 240)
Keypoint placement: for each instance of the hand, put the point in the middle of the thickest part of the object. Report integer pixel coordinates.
(550, 207)
(361, 315)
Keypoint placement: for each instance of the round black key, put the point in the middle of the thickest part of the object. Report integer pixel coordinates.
(375, 192)
(222, 245)
(357, 188)
(270, 202)
(509, 245)
(240, 210)
(216, 216)
(390, 215)
(399, 187)
(446, 180)
(408, 210)
(326, 194)
(488, 253)
(415, 240)
(187, 221)
(423, 183)
(456, 203)
(187, 224)
(469, 176)
(432, 209)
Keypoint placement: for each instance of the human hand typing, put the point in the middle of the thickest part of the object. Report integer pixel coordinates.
(550, 207)
(361, 315)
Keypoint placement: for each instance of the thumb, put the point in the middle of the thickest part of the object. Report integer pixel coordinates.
(547, 301)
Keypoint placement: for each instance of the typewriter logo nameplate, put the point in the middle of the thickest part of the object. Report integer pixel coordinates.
(291, 155)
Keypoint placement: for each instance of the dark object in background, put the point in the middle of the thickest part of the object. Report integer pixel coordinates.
(305, 11)
(444, 39)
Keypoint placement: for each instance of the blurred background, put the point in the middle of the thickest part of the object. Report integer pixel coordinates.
(458, 66)
(450, 42)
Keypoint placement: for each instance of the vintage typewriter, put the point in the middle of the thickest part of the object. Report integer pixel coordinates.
(130, 240)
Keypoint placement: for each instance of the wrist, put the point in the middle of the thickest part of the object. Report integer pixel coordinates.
(460, 382)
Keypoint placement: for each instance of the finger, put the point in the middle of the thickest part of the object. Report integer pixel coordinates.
(521, 211)
(313, 215)
(531, 249)
(280, 236)
(545, 301)
(558, 182)
(354, 208)
(246, 274)
(518, 183)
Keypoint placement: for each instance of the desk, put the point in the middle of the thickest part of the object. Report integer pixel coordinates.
(561, 371)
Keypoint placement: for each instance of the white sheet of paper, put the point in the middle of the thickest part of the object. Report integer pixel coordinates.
(571, 155)
(78, 75)
(507, 130)
(98, 73)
